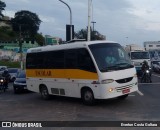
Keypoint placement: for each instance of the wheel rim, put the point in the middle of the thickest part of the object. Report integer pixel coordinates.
(44, 92)
(88, 96)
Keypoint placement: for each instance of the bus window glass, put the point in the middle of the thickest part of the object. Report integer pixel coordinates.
(110, 57)
(84, 61)
(70, 59)
(31, 62)
(55, 60)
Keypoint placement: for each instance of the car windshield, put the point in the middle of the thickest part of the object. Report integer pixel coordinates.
(21, 74)
(139, 55)
(12, 70)
(156, 62)
(110, 57)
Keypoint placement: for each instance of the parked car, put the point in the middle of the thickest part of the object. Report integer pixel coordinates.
(19, 84)
(2, 68)
(156, 66)
(13, 73)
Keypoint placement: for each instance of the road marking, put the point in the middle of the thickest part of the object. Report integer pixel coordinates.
(131, 95)
(140, 93)
(156, 75)
(150, 83)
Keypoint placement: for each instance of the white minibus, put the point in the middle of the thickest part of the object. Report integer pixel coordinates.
(87, 70)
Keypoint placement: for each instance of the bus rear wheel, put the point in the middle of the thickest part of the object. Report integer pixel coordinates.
(88, 97)
(44, 93)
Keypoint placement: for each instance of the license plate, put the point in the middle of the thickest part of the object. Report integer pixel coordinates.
(125, 91)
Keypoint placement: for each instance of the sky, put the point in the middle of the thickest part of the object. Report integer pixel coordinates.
(123, 21)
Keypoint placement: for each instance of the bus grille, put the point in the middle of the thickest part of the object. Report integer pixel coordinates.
(119, 89)
(126, 80)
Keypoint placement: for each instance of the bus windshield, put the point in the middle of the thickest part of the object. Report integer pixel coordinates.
(110, 57)
(139, 55)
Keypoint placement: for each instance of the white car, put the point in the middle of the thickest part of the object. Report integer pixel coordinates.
(156, 66)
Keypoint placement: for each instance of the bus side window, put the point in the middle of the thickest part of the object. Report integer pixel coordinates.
(84, 61)
(30, 60)
(40, 60)
(57, 59)
(71, 59)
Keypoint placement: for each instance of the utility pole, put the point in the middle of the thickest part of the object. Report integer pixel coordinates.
(20, 46)
(89, 21)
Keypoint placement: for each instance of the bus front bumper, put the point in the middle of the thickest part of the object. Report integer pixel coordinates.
(113, 92)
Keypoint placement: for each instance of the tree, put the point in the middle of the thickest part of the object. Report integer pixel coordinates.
(27, 23)
(2, 6)
(40, 39)
(82, 34)
(95, 35)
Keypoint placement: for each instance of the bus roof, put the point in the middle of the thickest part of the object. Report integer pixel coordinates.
(79, 44)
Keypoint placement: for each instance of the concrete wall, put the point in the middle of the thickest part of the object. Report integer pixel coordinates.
(10, 55)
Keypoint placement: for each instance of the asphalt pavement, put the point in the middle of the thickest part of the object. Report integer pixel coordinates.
(143, 105)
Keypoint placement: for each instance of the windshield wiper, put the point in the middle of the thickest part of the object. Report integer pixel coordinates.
(126, 65)
(110, 68)
(119, 66)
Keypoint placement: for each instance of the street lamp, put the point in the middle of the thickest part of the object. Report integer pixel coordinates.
(93, 22)
(89, 20)
(70, 17)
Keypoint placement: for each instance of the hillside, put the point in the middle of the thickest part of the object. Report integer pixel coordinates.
(6, 34)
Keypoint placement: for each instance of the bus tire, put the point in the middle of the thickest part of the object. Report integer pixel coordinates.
(87, 97)
(123, 97)
(44, 93)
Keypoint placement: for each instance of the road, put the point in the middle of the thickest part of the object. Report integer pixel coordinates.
(139, 106)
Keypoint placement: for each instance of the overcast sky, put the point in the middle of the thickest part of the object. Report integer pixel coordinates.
(124, 21)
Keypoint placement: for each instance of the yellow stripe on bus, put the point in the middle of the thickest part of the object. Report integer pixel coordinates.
(61, 73)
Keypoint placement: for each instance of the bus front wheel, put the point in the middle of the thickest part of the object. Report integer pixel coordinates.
(44, 93)
(88, 97)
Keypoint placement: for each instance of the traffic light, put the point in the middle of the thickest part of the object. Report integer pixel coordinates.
(68, 32)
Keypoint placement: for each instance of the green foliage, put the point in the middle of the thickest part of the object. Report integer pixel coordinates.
(2, 6)
(10, 64)
(27, 23)
(6, 34)
(40, 39)
(82, 34)
(95, 35)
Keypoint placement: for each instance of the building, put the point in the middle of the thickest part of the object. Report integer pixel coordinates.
(49, 40)
(10, 50)
(152, 45)
(5, 22)
(14, 46)
(133, 47)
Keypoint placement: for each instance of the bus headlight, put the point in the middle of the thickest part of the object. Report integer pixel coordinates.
(107, 81)
(111, 90)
